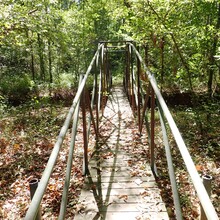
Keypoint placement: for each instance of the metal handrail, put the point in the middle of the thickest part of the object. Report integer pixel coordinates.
(36, 200)
(69, 162)
(199, 187)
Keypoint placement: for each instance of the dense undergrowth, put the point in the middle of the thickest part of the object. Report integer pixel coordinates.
(28, 134)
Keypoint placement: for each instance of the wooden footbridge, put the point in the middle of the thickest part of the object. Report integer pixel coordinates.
(120, 183)
(120, 175)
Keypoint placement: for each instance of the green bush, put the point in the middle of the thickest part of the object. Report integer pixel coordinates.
(65, 80)
(16, 88)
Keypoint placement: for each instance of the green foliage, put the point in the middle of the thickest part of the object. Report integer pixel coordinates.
(46, 39)
(16, 88)
(190, 29)
(65, 80)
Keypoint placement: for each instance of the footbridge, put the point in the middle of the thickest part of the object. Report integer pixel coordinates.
(121, 172)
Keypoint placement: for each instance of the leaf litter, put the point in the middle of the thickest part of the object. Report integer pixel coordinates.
(25, 147)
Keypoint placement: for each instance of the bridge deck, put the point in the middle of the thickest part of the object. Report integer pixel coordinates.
(121, 184)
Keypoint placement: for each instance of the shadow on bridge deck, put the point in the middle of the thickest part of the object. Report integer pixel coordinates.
(120, 184)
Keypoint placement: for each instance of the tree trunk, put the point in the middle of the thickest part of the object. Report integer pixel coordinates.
(41, 57)
(50, 62)
(32, 63)
(146, 55)
(32, 69)
(212, 54)
(162, 42)
(183, 61)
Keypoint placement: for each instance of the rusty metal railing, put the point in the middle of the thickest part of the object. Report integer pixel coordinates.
(99, 87)
(139, 95)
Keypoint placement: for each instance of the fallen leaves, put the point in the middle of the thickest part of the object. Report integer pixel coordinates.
(124, 197)
(3, 144)
(23, 156)
(80, 207)
(25, 153)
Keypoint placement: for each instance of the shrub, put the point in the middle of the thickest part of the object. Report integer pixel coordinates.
(16, 88)
(64, 81)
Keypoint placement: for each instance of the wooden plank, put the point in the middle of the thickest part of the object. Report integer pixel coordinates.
(120, 185)
(122, 198)
(123, 215)
(122, 179)
(91, 205)
(139, 192)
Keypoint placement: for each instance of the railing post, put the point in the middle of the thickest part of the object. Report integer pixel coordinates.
(104, 78)
(128, 75)
(33, 184)
(132, 82)
(126, 70)
(138, 84)
(85, 145)
(152, 132)
(171, 171)
(96, 105)
(207, 180)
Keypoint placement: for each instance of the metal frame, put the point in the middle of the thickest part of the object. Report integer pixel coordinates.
(135, 91)
(165, 113)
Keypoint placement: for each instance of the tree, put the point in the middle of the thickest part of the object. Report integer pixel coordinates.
(183, 25)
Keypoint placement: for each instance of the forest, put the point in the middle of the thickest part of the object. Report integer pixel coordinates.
(46, 44)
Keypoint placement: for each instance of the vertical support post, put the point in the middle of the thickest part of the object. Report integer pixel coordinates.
(207, 180)
(100, 80)
(128, 74)
(152, 126)
(91, 119)
(33, 184)
(125, 69)
(85, 145)
(108, 74)
(104, 88)
(171, 171)
(132, 83)
(138, 84)
(96, 105)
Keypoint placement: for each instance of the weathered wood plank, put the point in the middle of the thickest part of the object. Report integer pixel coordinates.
(121, 179)
(123, 215)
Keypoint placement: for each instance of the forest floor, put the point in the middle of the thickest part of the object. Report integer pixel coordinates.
(28, 133)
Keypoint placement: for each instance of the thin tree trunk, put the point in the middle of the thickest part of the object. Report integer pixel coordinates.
(176, 45)
(211, 56)
(146, 55)
(183, 61)
(50, 62)
(41, 57)
(32, 69)
(162, 60)
(32, 63)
